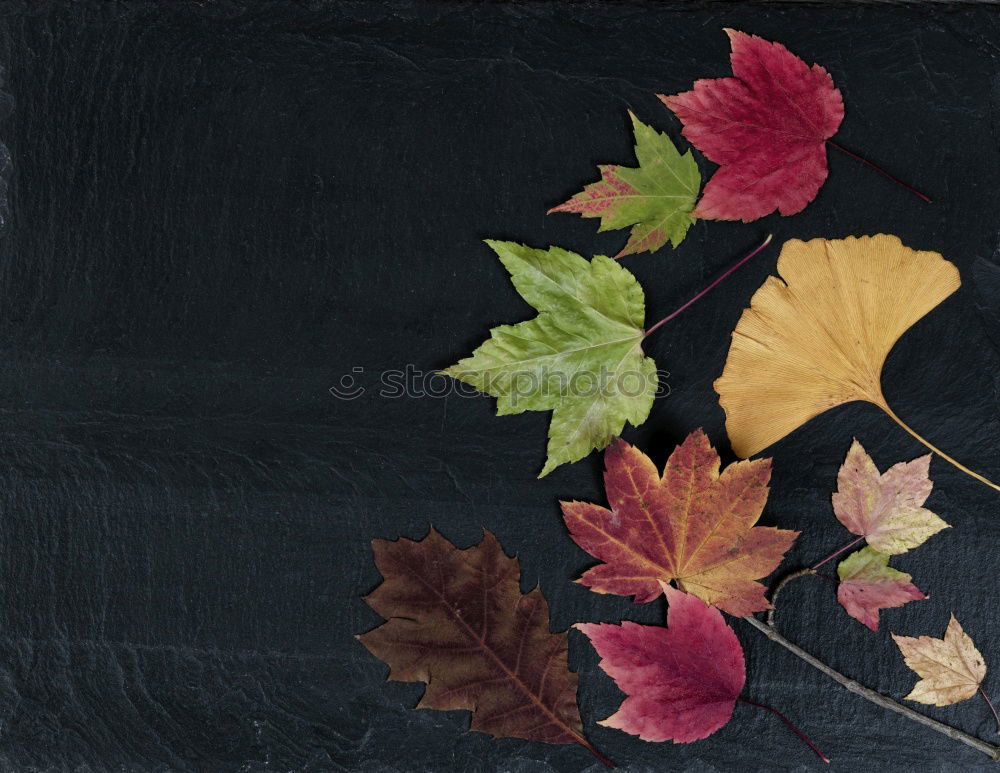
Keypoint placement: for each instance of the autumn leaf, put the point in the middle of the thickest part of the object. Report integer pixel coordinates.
(950, 669)
(818, 336)
(868, 584)
(580, 358)
(766, 127)
(656, 198)
(694, 525)
(885, 509)
(682, 681)
(457, 620)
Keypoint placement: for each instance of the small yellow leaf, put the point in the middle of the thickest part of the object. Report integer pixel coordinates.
(950, 669)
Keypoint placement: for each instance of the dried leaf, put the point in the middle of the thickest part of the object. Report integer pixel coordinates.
(885, 509)
(766, 127)
(580, 358)
(456, 619)
(693, 525)
(950, 669)
(868, 584)
(656, 198)
(818, 337)
(682, 681)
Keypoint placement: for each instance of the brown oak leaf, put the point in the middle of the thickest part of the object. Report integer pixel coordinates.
(457, 620)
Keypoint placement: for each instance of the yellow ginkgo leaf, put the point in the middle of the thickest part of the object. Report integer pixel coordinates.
(950, 669)
(818, 336)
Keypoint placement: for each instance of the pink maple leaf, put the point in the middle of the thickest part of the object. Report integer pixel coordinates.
(682, 681)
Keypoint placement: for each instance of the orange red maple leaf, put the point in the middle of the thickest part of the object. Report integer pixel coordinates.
(693, 525)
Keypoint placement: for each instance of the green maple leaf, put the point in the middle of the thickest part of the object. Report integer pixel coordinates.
(656, 198)
(580, 358)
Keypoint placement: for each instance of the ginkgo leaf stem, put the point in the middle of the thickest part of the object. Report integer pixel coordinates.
(990, 704)
(836, 553)
(881, 403)
(788, 722)
(712, 286)
(590, 748)
(878, 169)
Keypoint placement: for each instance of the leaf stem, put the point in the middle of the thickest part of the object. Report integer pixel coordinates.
(708, 289)
(788, 722)
(590, 748)
(991, 751)
(990, 704)
(881, 403)
(878, 169)
(836, 553)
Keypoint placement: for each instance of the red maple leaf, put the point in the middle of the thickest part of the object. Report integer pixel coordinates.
(766, 127)
(682, 681)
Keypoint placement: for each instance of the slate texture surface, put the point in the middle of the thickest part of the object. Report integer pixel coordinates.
(218, 210)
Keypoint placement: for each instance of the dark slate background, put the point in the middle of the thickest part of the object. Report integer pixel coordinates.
(217, 211)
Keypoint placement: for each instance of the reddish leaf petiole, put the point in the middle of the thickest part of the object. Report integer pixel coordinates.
(836, 553)
(990, 704)
(878, 169)
(704, 292)
(788, 722)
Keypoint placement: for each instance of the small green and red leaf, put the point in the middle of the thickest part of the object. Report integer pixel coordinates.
(655, 199)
